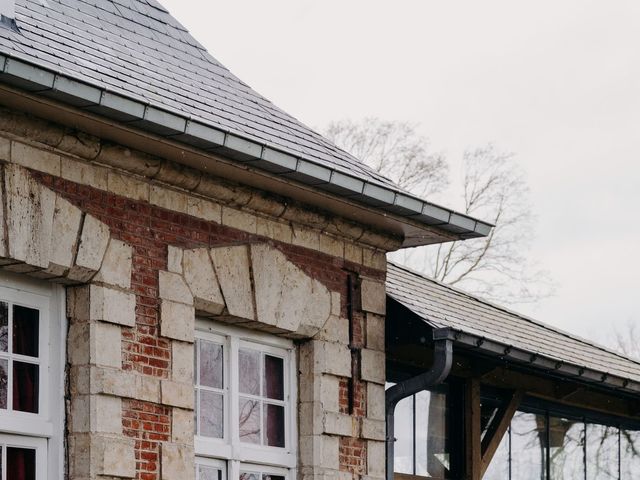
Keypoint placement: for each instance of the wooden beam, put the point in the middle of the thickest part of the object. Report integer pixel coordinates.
(473, 444)
(493, 437)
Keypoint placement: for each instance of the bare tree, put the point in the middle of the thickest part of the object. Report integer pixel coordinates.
(393, 149)
(493, 188)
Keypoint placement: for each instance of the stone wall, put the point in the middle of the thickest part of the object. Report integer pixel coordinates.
(144, 246)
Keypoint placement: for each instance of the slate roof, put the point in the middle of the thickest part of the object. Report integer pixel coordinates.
(484, 326)
(132, 61)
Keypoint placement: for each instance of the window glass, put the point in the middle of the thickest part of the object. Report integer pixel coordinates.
(249, 371)
(566, 448)
(499, 467)
(602, 452)
(21, 463)
(25, 331)
(273, 427)
(249, 421)
(432, 455)
(528, 456)
(209, 391)
(273, 377)
(629, 454)
(205, 472)
(403, 431)
(4, 382)
(4, 327)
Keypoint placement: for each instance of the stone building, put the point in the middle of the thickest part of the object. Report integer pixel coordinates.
(193, 282)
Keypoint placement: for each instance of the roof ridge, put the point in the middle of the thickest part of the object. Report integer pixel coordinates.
(514, 313)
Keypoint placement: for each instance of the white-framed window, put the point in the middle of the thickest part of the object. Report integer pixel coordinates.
(245, 419)
(32, 333)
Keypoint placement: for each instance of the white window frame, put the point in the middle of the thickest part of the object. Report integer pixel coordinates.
(241, 456)
(20, 441)
(44, 430)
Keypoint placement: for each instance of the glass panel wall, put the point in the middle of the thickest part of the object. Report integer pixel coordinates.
(547, 447)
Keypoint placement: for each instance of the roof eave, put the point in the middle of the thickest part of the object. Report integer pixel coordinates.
(197, 134)
(520, 356)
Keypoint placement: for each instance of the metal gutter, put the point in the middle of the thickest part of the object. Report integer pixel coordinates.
(442, 361)
(552, 365)
(197, 133)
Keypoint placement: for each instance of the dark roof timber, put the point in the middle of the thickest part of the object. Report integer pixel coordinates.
(476, 325)
(131, 62)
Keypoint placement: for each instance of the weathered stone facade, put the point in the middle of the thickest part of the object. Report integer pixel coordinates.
(145, 246)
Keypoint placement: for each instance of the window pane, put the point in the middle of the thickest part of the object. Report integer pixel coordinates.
(209, 473)
(629, 454)
(566, 453)
(602, 452)
(249, 371)
(211, 364)
(21, 463)
(249, 420)
(274, 425)
(403, 431)
(432, 456)
(25, 387)
(4, 327)
(499, 467)
(249, 476)
(528, 456)
(4, 382)
(25, 331)
(273, 377)
(211, 414)
(268, 476)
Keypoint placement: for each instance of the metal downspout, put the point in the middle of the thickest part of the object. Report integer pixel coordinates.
(442, 360)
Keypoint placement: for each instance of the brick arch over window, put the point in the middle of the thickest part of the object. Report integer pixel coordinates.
(254, 285)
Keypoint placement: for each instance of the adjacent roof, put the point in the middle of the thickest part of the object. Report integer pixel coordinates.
(130, 60)
(477, 324)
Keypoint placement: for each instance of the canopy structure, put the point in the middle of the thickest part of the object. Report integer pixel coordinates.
(477, 325)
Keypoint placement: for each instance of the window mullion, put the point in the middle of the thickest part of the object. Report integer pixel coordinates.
(234, 379)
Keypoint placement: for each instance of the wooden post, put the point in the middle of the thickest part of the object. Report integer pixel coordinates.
(473, 444)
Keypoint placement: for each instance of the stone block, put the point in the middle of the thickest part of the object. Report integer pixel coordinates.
(336, 304)
(125, 384)
(78, 343)
(331, 246)
(29, 217)
(239, 220)
(182, 355)
(65, 236)
(335, 330)
(285, 296)
(106, 345)
(306, 237)
(202, 281)
(169, 199)
(375, 458)
(93, 245)
(372, 429)
(5, 149)
(352, 253)
(204, 209)
(375, 331)
(374, 259)
(177, 321)
(173, 287)
(178, 462)
(177, 394)
(372, 366)
(375, 401)
(338, 424)
(84, 173)
(116, 265)
(279, 231)
(106, 414)
(174, 259)
(234, 274)
(112, 306)
(318, 357)
(128, 186)
(35, 158)
(310, 418)
(182, 426)
(115, 456)
(131, 160)
(373, 296)
(320, 451)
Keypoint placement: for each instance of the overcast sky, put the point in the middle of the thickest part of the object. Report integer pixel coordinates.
(558, 83)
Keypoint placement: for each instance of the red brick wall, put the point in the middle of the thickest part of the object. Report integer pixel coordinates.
(149, 230)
